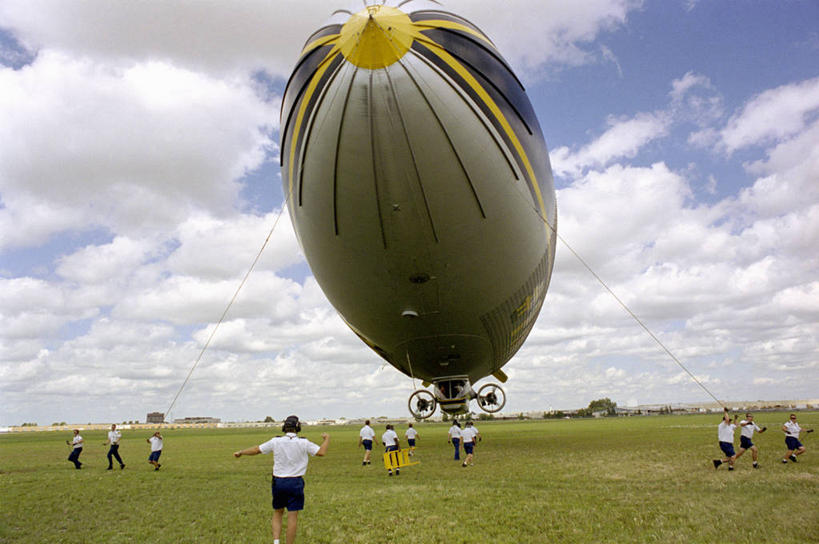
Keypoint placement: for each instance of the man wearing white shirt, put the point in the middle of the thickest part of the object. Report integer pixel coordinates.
(365, 438)
(290, 457)
(746, 434)
(114, 436)
(412, 436)
(454, 438)
(725, 432)
(156, 449)
(795, 447)
(390, 441)
(468, 436)
(76, 449)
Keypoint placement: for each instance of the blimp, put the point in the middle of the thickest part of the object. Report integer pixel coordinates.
(419, 186)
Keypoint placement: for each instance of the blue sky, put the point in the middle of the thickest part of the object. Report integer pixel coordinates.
(139, 178)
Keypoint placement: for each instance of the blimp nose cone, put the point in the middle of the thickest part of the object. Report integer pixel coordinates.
(376, 37)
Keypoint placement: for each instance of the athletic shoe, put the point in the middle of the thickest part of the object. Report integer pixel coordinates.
(389, 474)
(756, 465)
(463, 465)
(363, 463)
(121, 467)
(730, 467)
(785, 461)
(717, 463)
(792, 458)
(397, 472)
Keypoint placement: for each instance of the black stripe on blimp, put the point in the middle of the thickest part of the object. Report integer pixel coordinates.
(432, 15)
(526, 140)
(321, 32)
(286, 129)
(480, 59)
(305, 68)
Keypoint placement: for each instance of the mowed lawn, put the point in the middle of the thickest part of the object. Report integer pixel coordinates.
(619, 480)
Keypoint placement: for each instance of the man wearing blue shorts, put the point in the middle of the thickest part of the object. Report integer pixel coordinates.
(454, 438)
(156, 449)
(290, 457)
(468, 435)
(725, 432)
(746, 434)
(795, 447)
(365, 438)
(390, 441)
(412, 436)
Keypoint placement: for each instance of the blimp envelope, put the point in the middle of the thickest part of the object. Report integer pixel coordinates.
(419, 185)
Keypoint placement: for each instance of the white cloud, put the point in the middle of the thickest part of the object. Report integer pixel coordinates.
(772, 115)
(623, 139)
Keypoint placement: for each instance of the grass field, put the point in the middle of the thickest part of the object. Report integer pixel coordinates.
(639, 479)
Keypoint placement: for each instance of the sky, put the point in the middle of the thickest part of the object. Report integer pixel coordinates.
(139, 179)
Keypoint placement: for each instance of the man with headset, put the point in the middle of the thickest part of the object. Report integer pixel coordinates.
(290, 457)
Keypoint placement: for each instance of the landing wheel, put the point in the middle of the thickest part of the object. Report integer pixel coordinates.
(422, 404)
(491, 398)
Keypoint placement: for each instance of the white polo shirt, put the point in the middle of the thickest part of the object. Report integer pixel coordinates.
(748, 430)
(366, 433)
(389, 438)
(726, 432)
(290, 454)
(156, 443)
(454, 432)
(77, 442)
(469, 434)
(792, 428)
(114, 437)
(411, 433)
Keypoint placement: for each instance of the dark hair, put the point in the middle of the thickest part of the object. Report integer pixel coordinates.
(367, 422)
(291, 424)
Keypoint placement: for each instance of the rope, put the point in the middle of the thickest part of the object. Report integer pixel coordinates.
(222, 318)
(632, 314)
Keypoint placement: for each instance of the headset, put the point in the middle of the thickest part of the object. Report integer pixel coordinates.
(292, 424)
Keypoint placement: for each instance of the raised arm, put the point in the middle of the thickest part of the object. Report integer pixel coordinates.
(249, 451)
(324, 445)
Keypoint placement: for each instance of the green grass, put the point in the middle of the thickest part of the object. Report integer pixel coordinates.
(640, 479)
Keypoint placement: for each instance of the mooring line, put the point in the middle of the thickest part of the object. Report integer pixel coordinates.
(632, 314)
(224, 314)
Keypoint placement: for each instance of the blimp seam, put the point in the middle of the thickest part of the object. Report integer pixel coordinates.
(338, 146)
(497, 137)
(374, 158)
(412, 154)
(448, 138)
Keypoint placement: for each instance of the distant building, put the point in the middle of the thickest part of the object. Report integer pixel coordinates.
(155, 417)
(198, 420)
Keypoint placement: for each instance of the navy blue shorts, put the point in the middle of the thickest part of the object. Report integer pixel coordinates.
(727, 448)
(155, 455)
(468, 446)
(288, 493)
(391, 448)
(793, 443)
(368, 444)
(745, 443)
(411, 442)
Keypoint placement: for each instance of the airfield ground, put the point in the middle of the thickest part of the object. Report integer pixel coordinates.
(638, 479)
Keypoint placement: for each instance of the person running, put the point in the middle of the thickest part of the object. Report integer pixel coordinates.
(795, 447)
(365, 438)
(454, 438)
(290, 457)
(390, 441)
(747, 428)
(156, 449)
(76, 445)
(725, 431)
(412, 436)
(114, 436)
(468, 435)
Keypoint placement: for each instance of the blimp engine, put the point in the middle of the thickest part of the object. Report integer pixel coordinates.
(419, 185)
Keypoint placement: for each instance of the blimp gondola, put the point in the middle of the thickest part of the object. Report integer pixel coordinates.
(418, 182)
